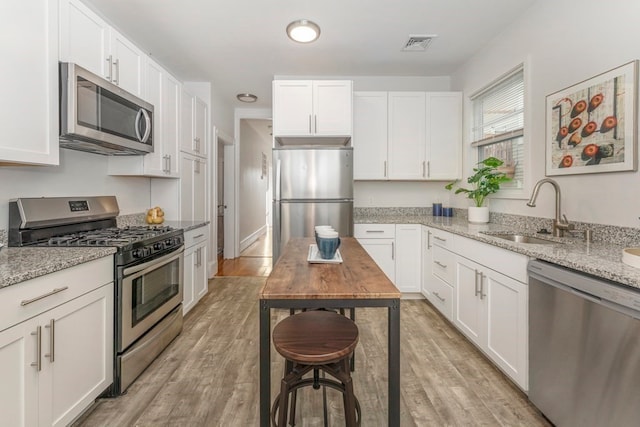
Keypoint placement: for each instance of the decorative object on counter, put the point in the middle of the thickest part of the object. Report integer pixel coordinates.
(155, 216)
(314, 256)
(447, 212)
(486, 180)
(591, 125)
(436, 209)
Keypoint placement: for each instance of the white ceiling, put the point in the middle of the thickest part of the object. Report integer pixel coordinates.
(240, 45)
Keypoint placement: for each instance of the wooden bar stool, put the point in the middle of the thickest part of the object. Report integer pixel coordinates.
(318, 341)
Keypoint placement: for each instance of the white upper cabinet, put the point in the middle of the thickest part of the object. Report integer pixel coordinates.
(407, 159)
(410, 136)
(303, 108)
(193, 133)
(29, 84)
(87, 40)
(370, 135)
(444, 135)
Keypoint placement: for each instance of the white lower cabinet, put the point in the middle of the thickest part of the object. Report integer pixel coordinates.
(491, 310)
(437, 281)
(379, 242)
(55, 364)
(408, 256)
(195, 267)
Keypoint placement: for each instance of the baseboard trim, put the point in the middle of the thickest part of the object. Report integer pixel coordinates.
(247, 241)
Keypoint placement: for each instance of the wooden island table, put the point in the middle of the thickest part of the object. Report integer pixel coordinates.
(356, 282)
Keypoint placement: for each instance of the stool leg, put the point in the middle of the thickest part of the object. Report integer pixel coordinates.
(348, 397)
(352, 315)
(284, 403)
(294, 398)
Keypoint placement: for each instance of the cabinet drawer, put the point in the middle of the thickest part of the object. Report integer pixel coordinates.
(55, 289)
(442, 238)
(509, 263)
(442, 298)
(444, 264)
(195, 236)
(374, 231)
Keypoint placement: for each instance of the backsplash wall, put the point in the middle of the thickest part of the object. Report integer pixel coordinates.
(79, 174)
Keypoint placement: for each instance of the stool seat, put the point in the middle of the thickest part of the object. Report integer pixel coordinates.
(318, 341)
(315, 337)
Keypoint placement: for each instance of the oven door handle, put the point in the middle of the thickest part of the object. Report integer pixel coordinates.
(152, 265)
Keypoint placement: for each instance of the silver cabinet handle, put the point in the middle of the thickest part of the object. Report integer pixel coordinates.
(375, 231)
(110, 62)
(424, 169)
(116, 79)
(385, 168)
(38, 335)
(482, 294)
(439, 238)
(428, 169)
(440, 264)
(393, 251)
(310, 124)
(438, 296)
(169, 164)
(52, 340)
(165, 165)
(477, 290)
(315, 123)
(38, 298)
(428, 240)
(198, 236)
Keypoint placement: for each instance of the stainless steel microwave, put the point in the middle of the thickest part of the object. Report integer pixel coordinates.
(100, 117)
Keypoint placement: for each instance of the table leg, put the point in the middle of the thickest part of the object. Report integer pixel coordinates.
(265, 363)
(394, 363)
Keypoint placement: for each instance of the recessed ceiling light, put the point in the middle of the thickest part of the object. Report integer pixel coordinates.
(246, 97)
(303, 31)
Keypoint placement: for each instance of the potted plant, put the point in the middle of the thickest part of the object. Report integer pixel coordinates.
(486, 180)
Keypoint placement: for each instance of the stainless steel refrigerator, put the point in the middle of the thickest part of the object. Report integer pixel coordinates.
(312, 186)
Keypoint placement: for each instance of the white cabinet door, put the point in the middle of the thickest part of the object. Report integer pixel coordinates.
(444, 135)
(189, 294)
(332, 107)
(427, 271)
(470, 310)
(80, 348)
(200, 127)
(171, 89)
(406, 139)
(200, 274)
(127, 63)
(292, 107)
(199, 190)
(370, 135)
(383, 253)
(187, 117)
(84, 38)
(186, 186)
(155, 163)
(507, 324)
(29, 84)
(408, 254)
(19, 391)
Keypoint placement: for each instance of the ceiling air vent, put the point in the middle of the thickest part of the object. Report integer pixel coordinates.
(418, 43)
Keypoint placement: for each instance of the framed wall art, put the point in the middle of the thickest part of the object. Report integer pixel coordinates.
(591, 126)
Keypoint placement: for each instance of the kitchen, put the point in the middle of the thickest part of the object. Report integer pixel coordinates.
(532, 38)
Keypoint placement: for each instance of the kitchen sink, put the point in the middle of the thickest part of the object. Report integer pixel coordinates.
(519, 238)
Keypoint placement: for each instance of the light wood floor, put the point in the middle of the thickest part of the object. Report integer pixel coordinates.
(253, 261)
(209, 375)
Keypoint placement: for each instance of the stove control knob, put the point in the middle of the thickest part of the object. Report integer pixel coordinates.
(138, 253)
(158, 245)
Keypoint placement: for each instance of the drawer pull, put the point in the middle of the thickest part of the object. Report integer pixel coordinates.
(440, 264)
(438, 296)
(38, 335)
(375, 231)
(198, 236)
(52, 340)
(439, 238)
(48, 294)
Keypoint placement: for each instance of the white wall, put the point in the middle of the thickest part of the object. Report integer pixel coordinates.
(563, 42)
(253, 187)
(79, 174)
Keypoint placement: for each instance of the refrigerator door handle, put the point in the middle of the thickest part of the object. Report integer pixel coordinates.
(276, 187)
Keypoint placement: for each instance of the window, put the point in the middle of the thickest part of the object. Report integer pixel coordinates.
(498, 124)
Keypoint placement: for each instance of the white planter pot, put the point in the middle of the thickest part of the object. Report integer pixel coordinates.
(478, 215)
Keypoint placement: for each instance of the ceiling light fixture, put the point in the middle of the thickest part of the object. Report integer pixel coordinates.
(246, 97)
(303, 31)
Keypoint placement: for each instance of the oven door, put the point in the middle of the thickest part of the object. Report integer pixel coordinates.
(147, 292)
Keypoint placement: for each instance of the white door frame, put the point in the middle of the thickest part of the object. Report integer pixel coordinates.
(231, 176)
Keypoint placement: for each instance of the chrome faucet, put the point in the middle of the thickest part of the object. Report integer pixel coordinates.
(560, 225)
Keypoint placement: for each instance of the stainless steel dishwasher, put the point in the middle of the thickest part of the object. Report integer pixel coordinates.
(584, 348)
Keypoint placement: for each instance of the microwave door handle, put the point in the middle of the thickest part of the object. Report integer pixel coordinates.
(137, 125)
(147, 121)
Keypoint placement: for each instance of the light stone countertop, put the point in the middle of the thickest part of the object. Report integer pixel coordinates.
(600, 259)
(24, 263)
(18, 264)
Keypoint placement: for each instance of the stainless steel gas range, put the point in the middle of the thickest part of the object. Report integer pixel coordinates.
(148, 273)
